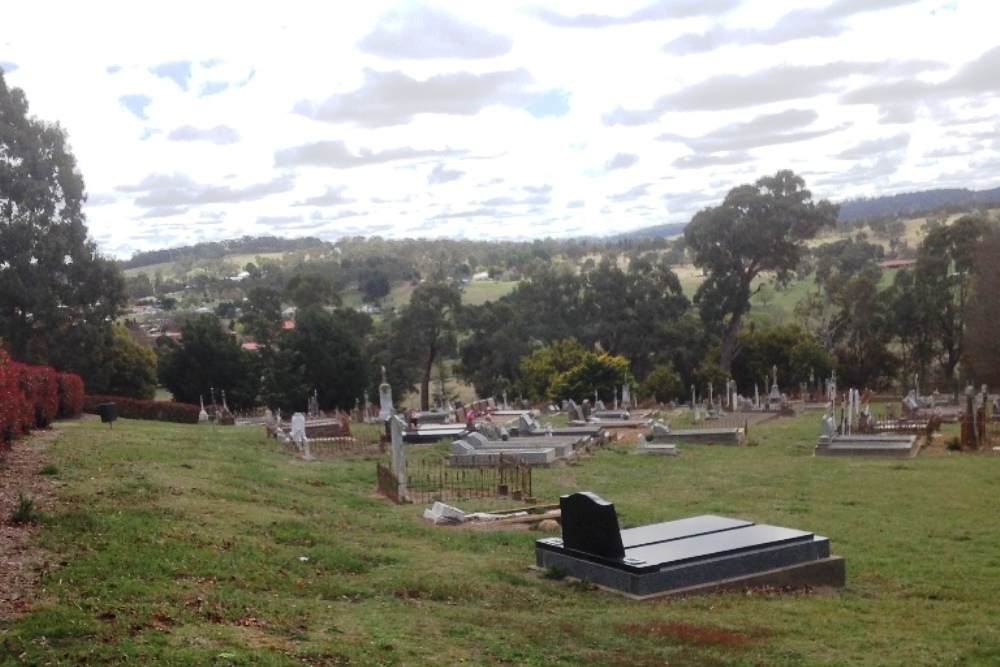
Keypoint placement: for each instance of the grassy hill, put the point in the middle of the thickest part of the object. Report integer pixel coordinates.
(194, 545)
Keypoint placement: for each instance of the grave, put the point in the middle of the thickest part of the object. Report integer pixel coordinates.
(463, 453)
(705, 436)
(646, 447)
(527, 426)
(564, 446)
(695, 555)
(887, 446)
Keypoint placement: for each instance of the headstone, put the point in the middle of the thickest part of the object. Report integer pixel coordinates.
(626, 397)
(599, 405)
(299, 430)
(590, 525)
(384, 398)
(586, 409)
(314, 405)
(660, 429)
(398, 457)
(524, 425)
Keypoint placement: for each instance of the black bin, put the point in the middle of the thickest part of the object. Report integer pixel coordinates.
(108, 412)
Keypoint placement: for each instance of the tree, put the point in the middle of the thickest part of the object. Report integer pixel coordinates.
(633, 313)
(982, 319)
(319, 355)
(662, 384)
(943, 277)
(596, 373)
(538, 369)
(207, 357)
(306, 290)
(758, 228)
(128, 366)
(262, 314)
(57, 295)
(425, 325)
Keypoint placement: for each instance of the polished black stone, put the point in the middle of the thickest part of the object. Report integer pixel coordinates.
(590, 525)
(675, 530)
(675, 554)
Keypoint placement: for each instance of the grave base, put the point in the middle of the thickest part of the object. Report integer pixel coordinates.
(828, 572)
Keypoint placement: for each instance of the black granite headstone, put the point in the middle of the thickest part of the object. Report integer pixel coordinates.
(590, 525)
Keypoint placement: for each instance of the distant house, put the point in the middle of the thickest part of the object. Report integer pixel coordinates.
(896, 263)
(288, 325)
(482, 275)
(250, 346)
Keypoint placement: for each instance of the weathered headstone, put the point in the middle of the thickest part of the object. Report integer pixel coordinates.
(299, 430)
(384, 398)
(398, 457)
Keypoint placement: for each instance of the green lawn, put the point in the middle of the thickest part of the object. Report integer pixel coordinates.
(194, 545)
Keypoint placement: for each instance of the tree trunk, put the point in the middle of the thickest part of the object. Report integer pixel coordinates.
(425, 379)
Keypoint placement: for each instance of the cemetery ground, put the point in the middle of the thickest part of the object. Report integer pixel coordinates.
(194, 545)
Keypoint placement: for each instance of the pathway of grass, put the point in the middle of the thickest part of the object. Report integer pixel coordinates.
(188, 545)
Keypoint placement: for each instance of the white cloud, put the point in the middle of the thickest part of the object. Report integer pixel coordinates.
(499, 120)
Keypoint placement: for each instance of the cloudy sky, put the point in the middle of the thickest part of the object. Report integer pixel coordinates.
(198, 121)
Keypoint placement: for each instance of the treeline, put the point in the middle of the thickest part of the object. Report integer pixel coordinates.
(246, 245)
(913, 204)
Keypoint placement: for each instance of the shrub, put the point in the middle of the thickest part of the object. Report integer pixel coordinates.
(70, 395)
(24, 510)
(136, 408)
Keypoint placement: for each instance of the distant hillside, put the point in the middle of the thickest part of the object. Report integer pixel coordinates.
(906, 205)
(219, 249)
(911, 204)
(655, 232)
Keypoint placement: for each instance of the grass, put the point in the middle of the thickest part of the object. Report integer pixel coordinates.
(188, 545)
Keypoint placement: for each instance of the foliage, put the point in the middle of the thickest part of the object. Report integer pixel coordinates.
(57, 295)
(205, 359)
(538, 369)
(758, 228)
(135, 408)
(662, 384)
(41, 391)
(127, 368)
(424, 328)
(319, 355)
(601, 374)
(633, 313)
(24, 510)
(70, 395)
(796, 354)
(982, 351)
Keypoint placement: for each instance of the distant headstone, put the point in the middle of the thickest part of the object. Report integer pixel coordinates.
(299, 430)
(660, 429)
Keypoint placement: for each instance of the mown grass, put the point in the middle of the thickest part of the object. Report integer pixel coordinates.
(188, 545)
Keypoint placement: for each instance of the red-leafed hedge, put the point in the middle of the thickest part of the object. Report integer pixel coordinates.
(42, 393)
(29, 398)
(70, 395)
(134, 408)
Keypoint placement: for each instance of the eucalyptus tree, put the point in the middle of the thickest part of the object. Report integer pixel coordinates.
(759, 228)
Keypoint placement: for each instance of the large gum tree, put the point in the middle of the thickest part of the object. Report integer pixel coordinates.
(759, 229)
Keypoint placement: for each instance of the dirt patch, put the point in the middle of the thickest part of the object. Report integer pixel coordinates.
(20, 561)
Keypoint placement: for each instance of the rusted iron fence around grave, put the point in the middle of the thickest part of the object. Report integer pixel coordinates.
(429, 481)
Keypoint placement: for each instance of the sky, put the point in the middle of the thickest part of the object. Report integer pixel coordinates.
(211, 120)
